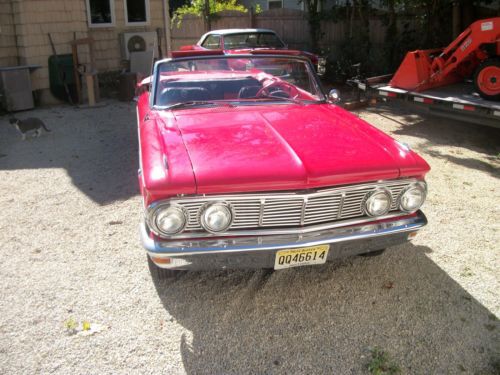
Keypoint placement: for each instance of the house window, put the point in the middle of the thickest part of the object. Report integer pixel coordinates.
(275, 4)
(137, 12)
(100, 13)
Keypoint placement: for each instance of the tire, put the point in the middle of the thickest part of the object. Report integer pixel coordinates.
(162, 274)
(375, 253)
(487, 79)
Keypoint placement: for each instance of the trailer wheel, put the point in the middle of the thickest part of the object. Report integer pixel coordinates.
(487, 79)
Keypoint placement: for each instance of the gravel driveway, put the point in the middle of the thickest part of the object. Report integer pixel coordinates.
(70, 253)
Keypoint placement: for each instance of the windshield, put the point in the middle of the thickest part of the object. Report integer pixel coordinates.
(252, 40)
(235, 80)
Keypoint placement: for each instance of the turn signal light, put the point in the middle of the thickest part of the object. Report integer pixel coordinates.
(158, 260)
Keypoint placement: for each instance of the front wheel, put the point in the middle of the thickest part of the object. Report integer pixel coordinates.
(162, 274)
(487, 79)
(373, 253)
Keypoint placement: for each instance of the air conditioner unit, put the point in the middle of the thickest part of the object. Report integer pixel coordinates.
(138, 42)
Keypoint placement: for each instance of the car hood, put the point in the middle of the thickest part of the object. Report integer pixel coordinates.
(279, 147)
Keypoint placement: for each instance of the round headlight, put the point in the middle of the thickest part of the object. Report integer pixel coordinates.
(378, 202)
(413, 197)
(170, 220)
(216, 217)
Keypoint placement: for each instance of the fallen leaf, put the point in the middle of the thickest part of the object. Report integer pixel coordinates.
(85, 326)
(388, 285)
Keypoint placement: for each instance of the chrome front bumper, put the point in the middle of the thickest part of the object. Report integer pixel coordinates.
(259, 251)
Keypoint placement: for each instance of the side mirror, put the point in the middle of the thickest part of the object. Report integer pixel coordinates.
(333, 96)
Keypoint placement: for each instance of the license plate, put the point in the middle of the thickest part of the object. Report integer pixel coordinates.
(301, 257)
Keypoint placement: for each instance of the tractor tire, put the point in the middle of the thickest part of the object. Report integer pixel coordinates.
(487, 79)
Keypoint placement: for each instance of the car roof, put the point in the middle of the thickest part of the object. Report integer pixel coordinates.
(239, 31)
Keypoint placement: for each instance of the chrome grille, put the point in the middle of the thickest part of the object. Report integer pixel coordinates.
(292, 209)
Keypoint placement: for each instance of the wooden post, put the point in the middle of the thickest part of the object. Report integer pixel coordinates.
(89, 77)
(250, 15)
(76, 75)
(206, 12)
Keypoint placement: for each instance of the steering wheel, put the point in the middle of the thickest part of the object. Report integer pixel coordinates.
(281, 89)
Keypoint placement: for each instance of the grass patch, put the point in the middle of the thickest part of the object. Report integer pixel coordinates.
(466, 272)
(380, 363)
(71, 326)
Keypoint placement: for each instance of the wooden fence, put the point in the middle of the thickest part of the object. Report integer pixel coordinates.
(293, 27)
(290, 24)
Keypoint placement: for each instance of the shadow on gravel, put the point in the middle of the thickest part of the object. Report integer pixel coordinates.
(437, 131)
(442, 131)
(97, 147)
(320, 320)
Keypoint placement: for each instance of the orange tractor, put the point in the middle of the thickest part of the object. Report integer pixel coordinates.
(474, 53)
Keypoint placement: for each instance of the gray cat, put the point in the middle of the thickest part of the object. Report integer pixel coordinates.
(28, 124)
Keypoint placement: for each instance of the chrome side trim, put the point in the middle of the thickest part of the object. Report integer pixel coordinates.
(278, 242)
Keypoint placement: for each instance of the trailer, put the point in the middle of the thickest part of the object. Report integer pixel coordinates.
(461, 81)
(458, 101)
(474, 54)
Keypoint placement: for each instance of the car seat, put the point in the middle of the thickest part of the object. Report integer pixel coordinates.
(172, 95)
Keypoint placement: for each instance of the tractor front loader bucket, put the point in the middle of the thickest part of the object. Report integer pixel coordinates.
(415, 72)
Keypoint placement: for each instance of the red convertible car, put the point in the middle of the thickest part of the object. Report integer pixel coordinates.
(246, 163)
(246, 40)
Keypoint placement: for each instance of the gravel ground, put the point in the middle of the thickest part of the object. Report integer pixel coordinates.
(70, 252)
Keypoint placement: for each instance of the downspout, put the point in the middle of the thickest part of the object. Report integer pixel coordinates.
(16, 32)
(168, 34)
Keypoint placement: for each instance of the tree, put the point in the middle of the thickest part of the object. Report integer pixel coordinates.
(199, 8)
(315, 15)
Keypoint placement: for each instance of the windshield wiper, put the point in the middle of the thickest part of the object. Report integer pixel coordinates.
(193, 103)
(292, 100)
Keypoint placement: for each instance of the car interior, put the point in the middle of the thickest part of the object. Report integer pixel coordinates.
(184, 91)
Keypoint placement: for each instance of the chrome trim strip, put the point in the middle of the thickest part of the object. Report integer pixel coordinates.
(318, 193)
(293, 230)
(236, 245)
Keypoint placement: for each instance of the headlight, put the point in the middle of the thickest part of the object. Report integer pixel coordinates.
(378, 202)
(216, 217)
(413, 197)
(169, 220)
